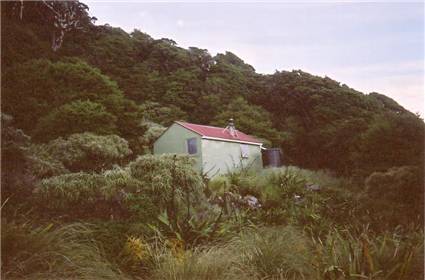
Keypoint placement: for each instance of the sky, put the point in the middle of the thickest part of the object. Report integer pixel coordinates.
(371, 47)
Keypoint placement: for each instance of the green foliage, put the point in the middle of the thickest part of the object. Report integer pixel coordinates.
(43, 163)
(82, 195)
(250, 119)
(287, 253)
(25, 165)
(208, 263)
(38, 86)
(168, 179)
(392, 139)
(46, 252)
(74, 194)
(153, 131)
(341, 255)
(88, 152)
(174, 187)
(76, 117)
(275, 253)
(323, 123)
(164, 115)
(67, 97)
(154, 218)
(401, 186)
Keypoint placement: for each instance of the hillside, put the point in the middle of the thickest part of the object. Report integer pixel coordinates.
(84, 198)
(318, 122)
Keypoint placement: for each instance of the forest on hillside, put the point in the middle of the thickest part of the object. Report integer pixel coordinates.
(82, 196)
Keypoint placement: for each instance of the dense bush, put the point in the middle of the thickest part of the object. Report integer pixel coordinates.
(85, 195)
(76, 117)
(403, 188)
(65, 97)
(170, 181)
(403, 185)
(155, 219)
(88, 151)
(153, 131)
(38, 86)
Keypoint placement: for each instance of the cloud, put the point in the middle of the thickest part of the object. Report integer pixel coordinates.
(180, 23)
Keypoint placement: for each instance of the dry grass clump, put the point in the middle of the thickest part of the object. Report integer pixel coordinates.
(264, 253)
(45, 252)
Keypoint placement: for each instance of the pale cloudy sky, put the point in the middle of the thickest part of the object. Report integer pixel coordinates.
(368, 46)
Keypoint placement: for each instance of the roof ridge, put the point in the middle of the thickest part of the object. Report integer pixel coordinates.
(210, 126)
(219, 132)
(201, 124)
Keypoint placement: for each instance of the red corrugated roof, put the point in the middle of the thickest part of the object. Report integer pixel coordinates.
(219, 132)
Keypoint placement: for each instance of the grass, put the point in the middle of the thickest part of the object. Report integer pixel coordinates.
(329, 234)
(386, 256)
(48, 252)
(288, 253)
(274, 253)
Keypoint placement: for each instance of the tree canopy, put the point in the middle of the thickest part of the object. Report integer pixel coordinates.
(105, 80)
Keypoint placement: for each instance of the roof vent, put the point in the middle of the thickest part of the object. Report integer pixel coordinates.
(231, 128)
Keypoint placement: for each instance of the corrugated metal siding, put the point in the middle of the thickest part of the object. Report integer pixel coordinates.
(173, 140)
(221, 157)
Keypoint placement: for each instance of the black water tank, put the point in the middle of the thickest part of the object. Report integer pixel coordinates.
(272, 157)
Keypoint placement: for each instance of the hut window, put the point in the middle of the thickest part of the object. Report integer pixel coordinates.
(191, 146)
(244, 151)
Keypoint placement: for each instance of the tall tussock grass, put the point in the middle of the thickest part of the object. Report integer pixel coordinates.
(274, 253)
(342, 255)
(173, 227)
(256, 253)
(48, 252)
(289, 253)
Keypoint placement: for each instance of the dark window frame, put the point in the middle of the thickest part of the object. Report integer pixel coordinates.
(192, 146)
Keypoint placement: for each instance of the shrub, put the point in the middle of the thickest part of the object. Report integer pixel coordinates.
(32, 89)
(170, 181)
(153, 131)
(89, 152)
(173, 185)
(43, 163)
(88, 195)
(72, 194)
(219, 185)
(403, 187)
(16, 178)
(400, 184)
(75, 117)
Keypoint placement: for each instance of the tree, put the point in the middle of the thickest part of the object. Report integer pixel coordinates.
(249, 119)
(60, 17)
(33, 89)
(76, 117)
(391, 139)
(164, 115)
(403, 187)
(41, 90)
